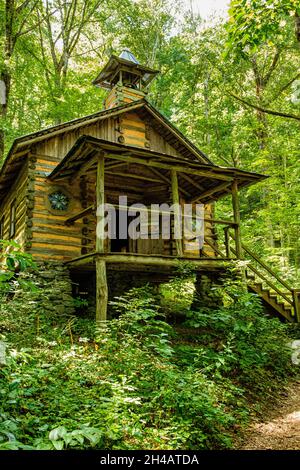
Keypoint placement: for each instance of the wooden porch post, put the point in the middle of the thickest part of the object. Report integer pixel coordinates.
(227, 241)
(296, 302)
(101, 282)
(177, 215)
(237, 219)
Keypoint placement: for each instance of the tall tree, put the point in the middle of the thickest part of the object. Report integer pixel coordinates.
(62, 26)
(17, 19)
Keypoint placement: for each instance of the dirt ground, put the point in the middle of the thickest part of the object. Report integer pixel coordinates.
(280, 427)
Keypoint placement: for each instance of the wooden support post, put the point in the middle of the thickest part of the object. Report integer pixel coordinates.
(296, 302)
(100, 201)
(237, 219)
(227, 241)
(101, 282)
(101, 291)
(177, 212)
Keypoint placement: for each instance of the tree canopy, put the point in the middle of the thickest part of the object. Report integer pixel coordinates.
(233, 86)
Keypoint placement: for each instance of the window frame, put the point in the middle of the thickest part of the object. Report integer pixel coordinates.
(2, 220)
(12, 219)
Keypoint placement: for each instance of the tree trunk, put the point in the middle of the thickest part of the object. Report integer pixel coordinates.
(5, 76)
(297, 26)
(262, 131)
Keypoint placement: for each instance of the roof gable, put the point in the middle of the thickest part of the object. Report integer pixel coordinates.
(144, 108)
(21, 146)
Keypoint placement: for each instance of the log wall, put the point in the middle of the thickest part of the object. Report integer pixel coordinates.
(42, 231)
(17, 194)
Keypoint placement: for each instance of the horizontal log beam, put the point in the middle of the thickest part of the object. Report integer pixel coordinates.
(86, 166)
(167, 166)
(162, 212)
(169, 262)
(91, 208)
(110, 166)
(79, 215)
(132, 176)
(192, 182)
(155, 160)
(210, 192)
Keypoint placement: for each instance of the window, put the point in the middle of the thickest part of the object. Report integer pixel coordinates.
(12, 222)
(2, 228)
(1, 231)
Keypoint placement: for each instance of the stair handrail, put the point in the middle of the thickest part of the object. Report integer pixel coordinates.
(293, 301)
(266, 267)
(268, 282)
(263, 264)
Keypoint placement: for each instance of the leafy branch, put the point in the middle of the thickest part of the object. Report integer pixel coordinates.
(264, 110)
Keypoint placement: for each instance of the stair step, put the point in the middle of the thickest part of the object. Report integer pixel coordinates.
(273, 296)
(258, 285)
(277, 304)
(288, 316)
(250, 275)
(266, 290)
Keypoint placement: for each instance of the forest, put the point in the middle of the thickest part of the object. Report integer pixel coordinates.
(160, 374)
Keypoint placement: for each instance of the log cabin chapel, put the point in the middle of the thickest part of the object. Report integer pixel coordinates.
(53, 180)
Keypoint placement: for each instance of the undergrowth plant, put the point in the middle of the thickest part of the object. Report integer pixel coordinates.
(140, 382)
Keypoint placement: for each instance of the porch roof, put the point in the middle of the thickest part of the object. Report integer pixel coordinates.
(200, 181)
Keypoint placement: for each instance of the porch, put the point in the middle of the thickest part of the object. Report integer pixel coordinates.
(109, 170)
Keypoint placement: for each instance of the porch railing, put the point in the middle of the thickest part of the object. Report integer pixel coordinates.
(213, 241)
(258, 272)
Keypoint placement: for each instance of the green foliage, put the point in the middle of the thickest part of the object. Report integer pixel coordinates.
(141, 317)
(52, 84)
(256, 22)
(140, 383)
(14, 257)
(15, 261)
(79, 302)
(59, 438)
(247, 344)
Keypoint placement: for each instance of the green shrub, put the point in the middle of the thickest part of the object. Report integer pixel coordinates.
(140, 383)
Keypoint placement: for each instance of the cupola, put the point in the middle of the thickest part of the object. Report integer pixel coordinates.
(126, 79)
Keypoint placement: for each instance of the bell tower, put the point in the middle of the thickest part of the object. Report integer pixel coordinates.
(125, 79)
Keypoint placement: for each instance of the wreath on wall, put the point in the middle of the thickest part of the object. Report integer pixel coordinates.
(58, 200)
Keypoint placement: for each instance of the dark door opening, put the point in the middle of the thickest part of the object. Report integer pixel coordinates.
(120, 244)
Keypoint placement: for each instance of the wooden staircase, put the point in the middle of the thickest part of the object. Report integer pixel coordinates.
(277, 296)
(272, 301)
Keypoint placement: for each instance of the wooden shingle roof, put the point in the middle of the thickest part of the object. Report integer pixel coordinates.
(214, 180)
